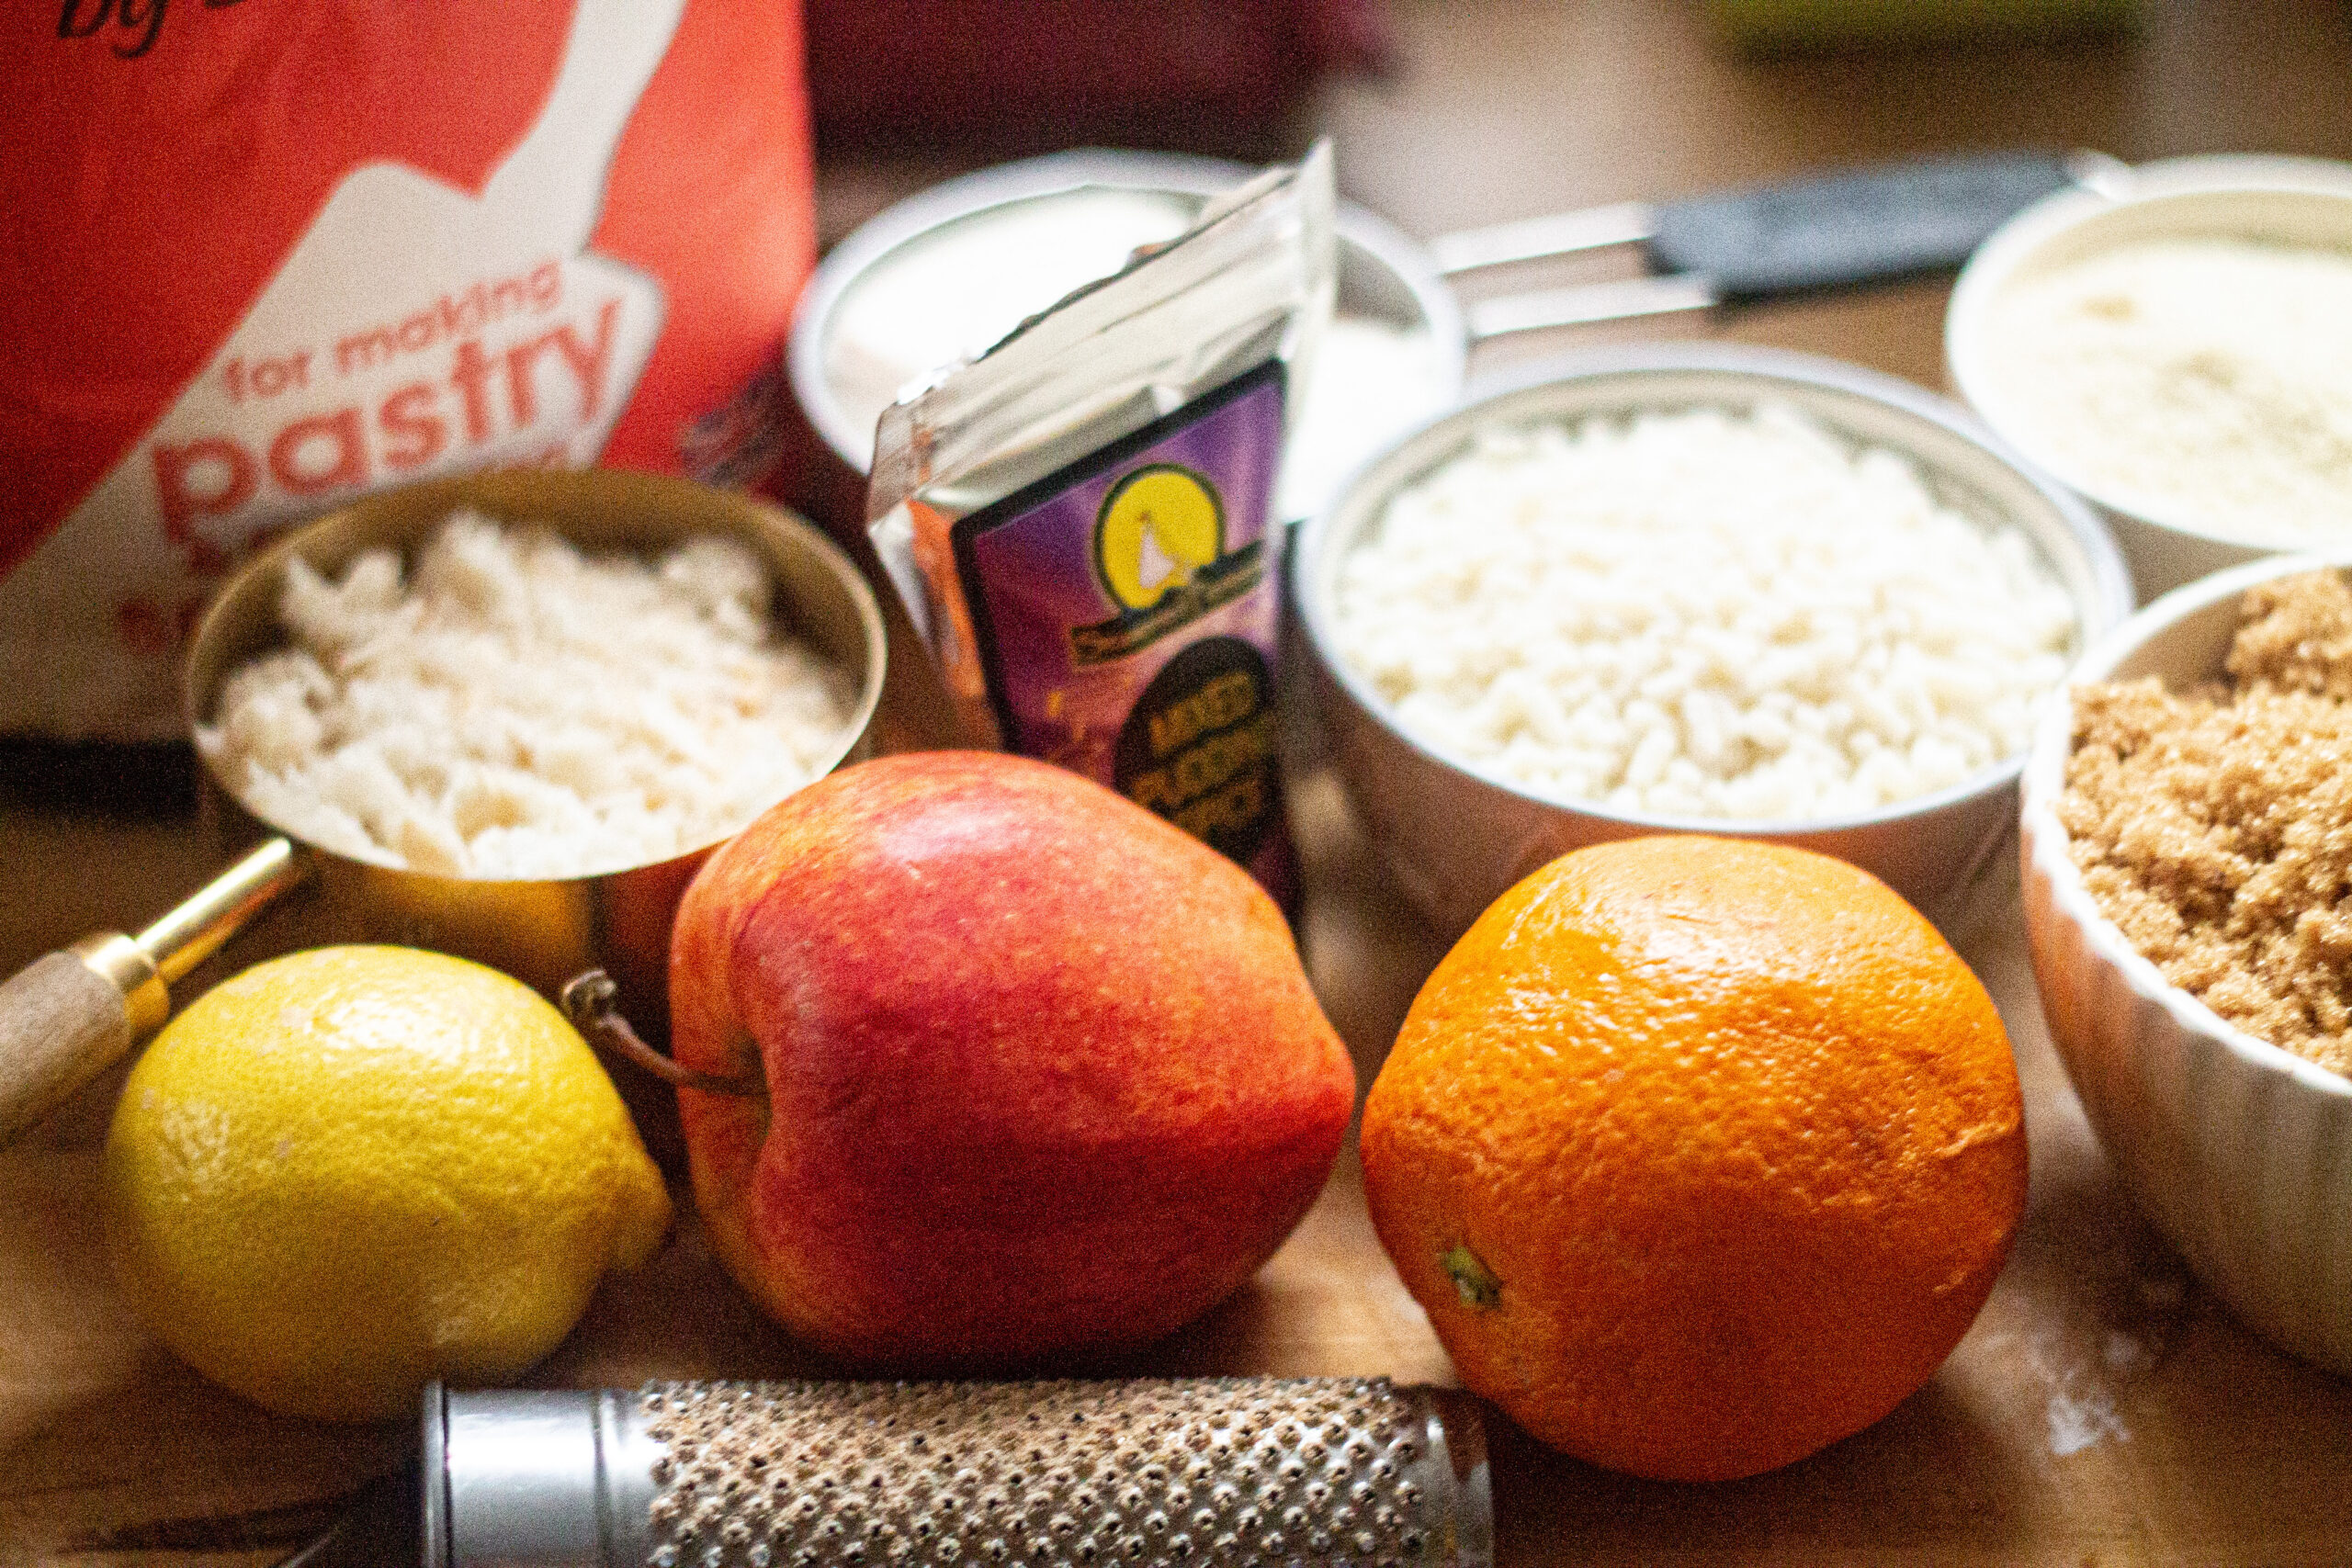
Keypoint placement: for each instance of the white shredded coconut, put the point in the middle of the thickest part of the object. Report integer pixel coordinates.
(2212, 377)
(517, 710)
(1705, 614)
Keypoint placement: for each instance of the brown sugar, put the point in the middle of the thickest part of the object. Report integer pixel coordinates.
(2214, 826)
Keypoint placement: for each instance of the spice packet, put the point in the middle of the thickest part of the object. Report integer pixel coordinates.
(1080, 520)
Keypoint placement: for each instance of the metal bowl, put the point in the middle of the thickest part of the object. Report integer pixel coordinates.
(2240, 1151)
(542, 933)
(2302, 201)
(1457, 836)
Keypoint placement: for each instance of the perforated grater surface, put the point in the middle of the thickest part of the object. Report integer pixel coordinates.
(1158, 1474)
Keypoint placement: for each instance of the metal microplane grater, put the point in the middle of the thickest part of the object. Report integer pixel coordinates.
(1090, 1474)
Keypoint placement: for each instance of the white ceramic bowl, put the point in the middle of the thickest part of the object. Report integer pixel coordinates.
(1457, 836)
(2240, 1152)
(2302, 202)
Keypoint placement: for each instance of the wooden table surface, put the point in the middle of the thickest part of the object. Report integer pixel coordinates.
(2104, 1409)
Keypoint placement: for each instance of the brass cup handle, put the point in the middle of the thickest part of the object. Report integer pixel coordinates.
(68, 1016)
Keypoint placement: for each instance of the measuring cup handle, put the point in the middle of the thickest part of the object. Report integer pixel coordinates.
(70, 1016)
(63, 1020)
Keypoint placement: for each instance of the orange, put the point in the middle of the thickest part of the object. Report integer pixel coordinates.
(1700, 1154)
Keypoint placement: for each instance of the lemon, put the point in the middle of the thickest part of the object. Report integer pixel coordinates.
(348, 1171)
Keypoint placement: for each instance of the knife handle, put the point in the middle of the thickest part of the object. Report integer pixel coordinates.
(1859, 226)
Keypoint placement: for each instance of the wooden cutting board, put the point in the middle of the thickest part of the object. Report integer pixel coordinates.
(2104, 1409)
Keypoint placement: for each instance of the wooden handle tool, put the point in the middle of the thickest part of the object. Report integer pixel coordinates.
(67, 1017)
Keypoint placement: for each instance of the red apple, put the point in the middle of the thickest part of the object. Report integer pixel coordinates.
(1043, 1072)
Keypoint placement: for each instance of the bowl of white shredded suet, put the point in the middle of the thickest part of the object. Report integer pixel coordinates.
(505, 714)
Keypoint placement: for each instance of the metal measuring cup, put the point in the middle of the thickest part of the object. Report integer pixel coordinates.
(1842, 227)
(67, 1016)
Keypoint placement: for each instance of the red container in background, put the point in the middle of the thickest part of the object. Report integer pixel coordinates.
(262, 256)
(1062, 71)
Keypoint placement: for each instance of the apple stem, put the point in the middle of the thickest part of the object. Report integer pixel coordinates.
(591, 1002)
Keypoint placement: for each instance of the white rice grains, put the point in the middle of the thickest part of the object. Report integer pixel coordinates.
(517, 710)
(1701, 614)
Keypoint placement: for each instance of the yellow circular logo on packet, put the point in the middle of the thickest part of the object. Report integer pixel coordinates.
(1158, 527)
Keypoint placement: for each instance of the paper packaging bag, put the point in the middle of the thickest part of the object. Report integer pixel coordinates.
(1081, 522)
(270, 256)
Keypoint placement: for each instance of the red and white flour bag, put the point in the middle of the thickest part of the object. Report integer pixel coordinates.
(264, 256)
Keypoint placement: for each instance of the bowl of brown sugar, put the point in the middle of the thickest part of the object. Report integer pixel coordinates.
(2188, 846)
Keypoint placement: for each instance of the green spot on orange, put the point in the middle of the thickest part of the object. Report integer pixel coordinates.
(1473, 1280)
